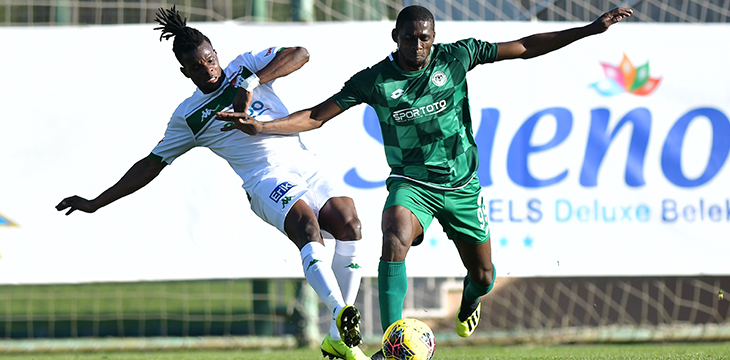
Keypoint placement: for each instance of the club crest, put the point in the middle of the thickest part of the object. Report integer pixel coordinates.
(438, 78)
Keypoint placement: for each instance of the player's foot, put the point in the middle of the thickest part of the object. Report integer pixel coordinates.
(468, 315)
(378, 355)
(336, 349)
(348, 324)
(466, 328)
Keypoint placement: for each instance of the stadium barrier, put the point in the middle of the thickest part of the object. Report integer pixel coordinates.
(225, 314)
(80, 12)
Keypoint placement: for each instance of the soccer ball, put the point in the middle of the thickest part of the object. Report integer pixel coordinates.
(408, 339)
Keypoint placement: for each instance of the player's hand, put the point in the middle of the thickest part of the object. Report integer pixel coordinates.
(76, 203)
(242, 100)
(609, 18)
(241, 121)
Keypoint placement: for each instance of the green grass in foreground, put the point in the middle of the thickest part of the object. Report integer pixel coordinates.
(675, 351)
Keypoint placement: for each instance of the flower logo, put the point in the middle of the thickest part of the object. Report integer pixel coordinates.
(626, 78)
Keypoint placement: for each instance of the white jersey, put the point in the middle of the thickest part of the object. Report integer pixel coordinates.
(193, 124)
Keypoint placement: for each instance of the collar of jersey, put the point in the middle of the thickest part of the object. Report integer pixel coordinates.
(410, 73)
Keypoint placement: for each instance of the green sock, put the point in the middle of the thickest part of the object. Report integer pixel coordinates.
(392, 288)
(472, 293)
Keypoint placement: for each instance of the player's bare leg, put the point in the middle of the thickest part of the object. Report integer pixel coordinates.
(301, 225)
(339, 217)
(478, 282)
(400, 228)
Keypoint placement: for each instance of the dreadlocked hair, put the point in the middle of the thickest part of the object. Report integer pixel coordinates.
(173, 25)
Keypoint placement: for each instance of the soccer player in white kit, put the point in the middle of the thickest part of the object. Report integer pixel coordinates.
(280, 176)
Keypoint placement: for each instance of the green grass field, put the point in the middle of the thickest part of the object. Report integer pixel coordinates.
(674, 351)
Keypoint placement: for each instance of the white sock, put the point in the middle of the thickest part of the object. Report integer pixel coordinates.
(347, 270)
(321, 278)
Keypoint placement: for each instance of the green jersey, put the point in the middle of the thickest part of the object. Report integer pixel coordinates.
(424, 115)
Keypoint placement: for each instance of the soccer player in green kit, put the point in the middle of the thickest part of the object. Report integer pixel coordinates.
(419, 93)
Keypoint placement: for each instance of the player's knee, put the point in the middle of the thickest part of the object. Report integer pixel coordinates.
(483, 276)
(352, 229)
(395, 247)
(343, 225)
(303, 231)
(310, 230)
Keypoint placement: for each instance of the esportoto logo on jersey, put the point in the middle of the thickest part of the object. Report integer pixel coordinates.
(411, 114)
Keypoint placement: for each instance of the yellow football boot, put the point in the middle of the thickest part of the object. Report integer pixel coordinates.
(336, 349)
(348, 324)
(466, 328)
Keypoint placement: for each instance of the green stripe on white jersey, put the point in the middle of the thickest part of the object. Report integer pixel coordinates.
(197, 120)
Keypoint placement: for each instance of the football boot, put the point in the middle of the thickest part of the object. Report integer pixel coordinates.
(466, 328)
(348, 324)
(336, 349)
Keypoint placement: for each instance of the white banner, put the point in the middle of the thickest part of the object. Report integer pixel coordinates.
(607, 157)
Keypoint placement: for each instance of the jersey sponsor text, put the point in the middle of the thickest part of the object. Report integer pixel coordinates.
(280, 190)
(410, 114)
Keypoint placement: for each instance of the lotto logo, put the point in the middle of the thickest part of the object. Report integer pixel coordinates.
(280, 190)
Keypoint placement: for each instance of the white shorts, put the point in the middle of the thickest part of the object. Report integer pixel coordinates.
(274, 194)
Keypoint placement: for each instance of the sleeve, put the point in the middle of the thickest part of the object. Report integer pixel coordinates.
(177, 141)
(355, 91)
(473, 52)
(256, 62)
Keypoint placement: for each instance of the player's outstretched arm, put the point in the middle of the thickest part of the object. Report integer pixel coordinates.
(139, 175)
(285, 62)
(302, 120)
(540, 44)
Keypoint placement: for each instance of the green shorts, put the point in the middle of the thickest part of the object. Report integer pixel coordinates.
(460, 212)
